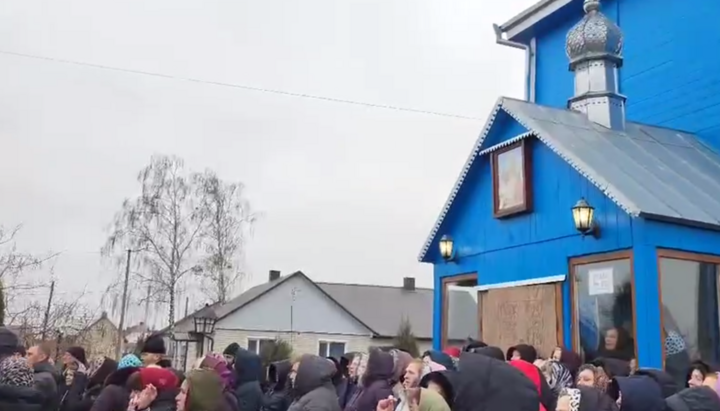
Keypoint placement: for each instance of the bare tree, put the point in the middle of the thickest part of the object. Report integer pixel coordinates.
(228, 221)
(68, 316)
(165, 222)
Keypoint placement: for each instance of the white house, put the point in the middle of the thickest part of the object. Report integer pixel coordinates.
(327, 319)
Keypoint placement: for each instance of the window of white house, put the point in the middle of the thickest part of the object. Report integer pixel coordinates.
(257, 345)
(331, 349)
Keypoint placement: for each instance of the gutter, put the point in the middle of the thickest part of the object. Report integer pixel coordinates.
(529, 60)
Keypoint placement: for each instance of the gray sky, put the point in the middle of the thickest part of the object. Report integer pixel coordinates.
(349, 193)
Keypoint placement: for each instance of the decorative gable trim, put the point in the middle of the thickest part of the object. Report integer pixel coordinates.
(578, 165)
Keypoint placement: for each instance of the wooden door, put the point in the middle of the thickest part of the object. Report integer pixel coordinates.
(515, 315)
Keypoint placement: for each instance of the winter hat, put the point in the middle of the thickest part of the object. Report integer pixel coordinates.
(232, 349)
(9, 341)
(16, 372)
(161, 378)
(154, 344)
(129, 360)
(78, 353)
(452, 351)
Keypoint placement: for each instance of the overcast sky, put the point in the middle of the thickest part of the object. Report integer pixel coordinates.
(349, 193)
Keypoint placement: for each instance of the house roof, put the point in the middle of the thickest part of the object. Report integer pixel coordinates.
(382, 308)
(647, 171)
(353, 298)
(528, 18)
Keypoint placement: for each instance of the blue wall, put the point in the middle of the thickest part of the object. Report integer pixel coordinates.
(670, 72)
(533, 245)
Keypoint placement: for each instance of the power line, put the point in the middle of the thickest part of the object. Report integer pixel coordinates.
(239, 86)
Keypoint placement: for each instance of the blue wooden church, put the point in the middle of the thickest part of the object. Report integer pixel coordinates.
(588, 214)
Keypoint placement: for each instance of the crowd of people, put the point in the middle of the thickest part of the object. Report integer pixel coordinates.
(475, 377)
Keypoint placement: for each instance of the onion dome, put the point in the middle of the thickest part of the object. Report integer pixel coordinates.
(595, 37)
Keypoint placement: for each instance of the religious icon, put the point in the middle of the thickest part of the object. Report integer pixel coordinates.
(510, 180)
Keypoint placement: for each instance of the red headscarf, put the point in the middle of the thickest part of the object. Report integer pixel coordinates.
(532, 372)
(452, 351)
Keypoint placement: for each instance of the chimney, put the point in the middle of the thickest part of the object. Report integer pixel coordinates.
(274, 275)
(594, 47)
(409, 283)
(104, 314)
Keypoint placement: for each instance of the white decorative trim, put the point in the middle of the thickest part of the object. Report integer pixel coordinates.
(577, 164)
(521, 283)
(458, 183)
(584, 170)
(505, 143)
(531, 17)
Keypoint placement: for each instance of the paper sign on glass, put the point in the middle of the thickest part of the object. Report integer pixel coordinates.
(601, 281)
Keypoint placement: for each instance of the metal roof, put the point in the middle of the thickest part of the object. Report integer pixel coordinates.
(379, 308)
(647, 171)
(383, 308)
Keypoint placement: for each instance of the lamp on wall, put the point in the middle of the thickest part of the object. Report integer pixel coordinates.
(204, 322)
(584, 218)
(446, 247)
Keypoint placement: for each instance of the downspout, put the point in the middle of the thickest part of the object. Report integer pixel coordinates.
(529, 60)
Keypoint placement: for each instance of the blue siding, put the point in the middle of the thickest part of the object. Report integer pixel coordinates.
(533, 245)
(669, 74)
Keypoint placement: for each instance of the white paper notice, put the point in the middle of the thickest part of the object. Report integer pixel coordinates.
(601, 282)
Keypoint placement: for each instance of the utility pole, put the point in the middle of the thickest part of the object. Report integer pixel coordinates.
(123, 307)
(46, 320)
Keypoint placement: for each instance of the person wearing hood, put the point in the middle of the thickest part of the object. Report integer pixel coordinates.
(486, 384)
(98, 371)
(278, 396)
(557, 376)
(46, 375)
(230, 352)
(74, 378)
(608, 368)
(312, 387)
(547, 396)
(153, 388)
(524, 352)
(491, 351)
(248, 373)
(441, 383)
(694, 399)
(472, 344)
(115, 395)
(568, 358)
(17, 386)
(439, 357)
(153, 350)
(216, 362)
(202, 390)
(401, 362)
(664, 380)
(584, 399)
(375, 383)
(636, 393)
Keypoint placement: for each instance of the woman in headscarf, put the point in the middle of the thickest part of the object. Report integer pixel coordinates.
(524, 352)
(557, 376)
(74, 378)
(17, 386)
(115, 395)
(375, 381)
(568, 358)
(216, 362)
(584, 398)
(616, 343)
(588, 377)
(99, 369)
(202, 390)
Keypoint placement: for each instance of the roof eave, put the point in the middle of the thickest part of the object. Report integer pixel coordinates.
(516, 26)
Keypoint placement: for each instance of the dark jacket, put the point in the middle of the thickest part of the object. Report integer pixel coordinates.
(444, 380)
(313, 388)
(639, 393)
(592, 399)
(20, 398)
(376, 383)
(114, 395)
(664, 380)
(278, 396)
(248, 373)
(71, 396)
(694, 399)
(95, 385)
(46, 381)
(486, 384)
(613, 367)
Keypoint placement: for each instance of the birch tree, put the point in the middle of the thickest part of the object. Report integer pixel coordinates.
(162, 225)
(228, 221)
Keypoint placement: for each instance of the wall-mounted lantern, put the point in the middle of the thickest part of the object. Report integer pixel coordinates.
(446, 248)
(584, 218)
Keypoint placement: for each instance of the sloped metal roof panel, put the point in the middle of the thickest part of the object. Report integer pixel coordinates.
(649, 170)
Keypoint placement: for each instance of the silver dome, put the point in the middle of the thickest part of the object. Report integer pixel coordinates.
(595, 36)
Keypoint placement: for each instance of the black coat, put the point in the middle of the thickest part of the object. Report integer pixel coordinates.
(278, 396)
(694, 399)
(20, 398)
(114, 396)
(71, 396)
(248, 373)
(486, 384)
(47, 379)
